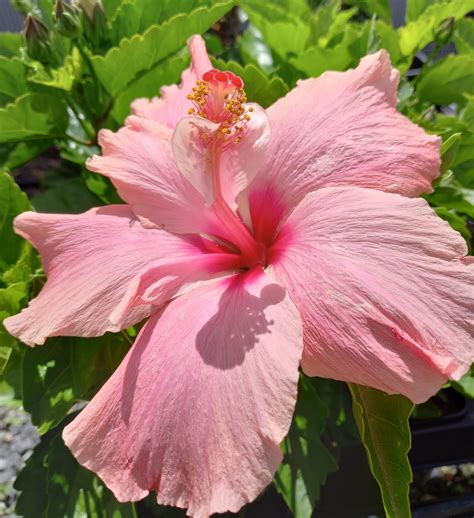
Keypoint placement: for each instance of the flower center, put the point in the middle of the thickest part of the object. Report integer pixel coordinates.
(219, 97)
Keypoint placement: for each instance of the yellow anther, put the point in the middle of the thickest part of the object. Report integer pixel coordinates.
(250, 109)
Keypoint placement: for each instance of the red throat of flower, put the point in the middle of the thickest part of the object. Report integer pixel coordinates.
(220, 97)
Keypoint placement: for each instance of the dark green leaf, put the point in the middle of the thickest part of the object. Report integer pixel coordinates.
(466, 384)
(448, 80)
(18, 153)
(66, 195)
(457, 222)
(12, 202)
(379, 7)
(382, 420)
(33, 116)
(307, 462)
(54, 485)
(140, 53)
(65, 371)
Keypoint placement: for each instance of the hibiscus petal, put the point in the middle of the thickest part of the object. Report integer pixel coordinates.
(343, 129)
(89, 259)
(197, 409)
(139, 161)
(173, 104)
(387, 296)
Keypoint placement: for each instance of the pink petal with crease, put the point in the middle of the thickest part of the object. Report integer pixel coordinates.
(387, 296)
(198, 408)
(173, 104)
(343, 129)
(89, 259)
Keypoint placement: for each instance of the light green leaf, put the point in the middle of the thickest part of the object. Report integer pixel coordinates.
(448, 80)
(464, 36)
(258, 87)
(135, 16)
(316, 60)
(465, 385)
(448, 151)
(307, 462)
(382, 420)
(148, 85)
(62, 77)
(33, 116)
(12, 77)
(140, 53)
(418, 33)
(415, 8)
(53, 485)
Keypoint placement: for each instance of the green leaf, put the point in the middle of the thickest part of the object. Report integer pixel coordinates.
(53, 485)
(149, 84)
(65, 196)
(418, 33)
(465, 385)
(12, 77)
(457, 222)
(382, 420)
(33, 116)
(258, 87)
(307, 462)
(448, 151)
(11, 299)
(12, 202)
(415, 8)
(316, 60)
(464, 36)
(10, 44)
(140, 53)
(448, 80)
(65, 371)
(18, 153)
(284, 34)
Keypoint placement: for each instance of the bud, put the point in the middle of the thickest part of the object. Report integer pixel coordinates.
(68, 22)
(38, 40)
(442, 34)
(89, 7)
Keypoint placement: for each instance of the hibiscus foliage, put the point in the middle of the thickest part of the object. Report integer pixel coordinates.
(76, 70)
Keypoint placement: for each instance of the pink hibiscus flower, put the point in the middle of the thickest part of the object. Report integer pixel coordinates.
(255, 240)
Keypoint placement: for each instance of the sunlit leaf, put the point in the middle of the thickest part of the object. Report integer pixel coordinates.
(448, 80)
(142, 52)
(418, 33)
(258, 87)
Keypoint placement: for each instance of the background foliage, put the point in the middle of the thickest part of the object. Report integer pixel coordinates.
(71, 75)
